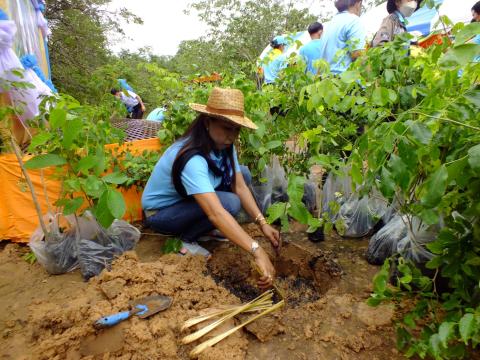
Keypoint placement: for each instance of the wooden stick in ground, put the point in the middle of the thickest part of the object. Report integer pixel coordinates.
(209, 343)
(30, 185)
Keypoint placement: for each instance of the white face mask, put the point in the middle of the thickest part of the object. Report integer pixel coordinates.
(408, 9)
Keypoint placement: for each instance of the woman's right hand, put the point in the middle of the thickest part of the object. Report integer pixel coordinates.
(266, 268)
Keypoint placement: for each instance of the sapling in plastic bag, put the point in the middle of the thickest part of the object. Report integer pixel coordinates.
(56, 252)
(384, 243)
(414, 245)
(102, 245)
(359, 216)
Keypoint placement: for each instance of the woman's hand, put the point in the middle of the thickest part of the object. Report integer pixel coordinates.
(266, 268)
(272, 234)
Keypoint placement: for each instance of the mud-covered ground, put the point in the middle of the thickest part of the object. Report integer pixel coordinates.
(325, 286)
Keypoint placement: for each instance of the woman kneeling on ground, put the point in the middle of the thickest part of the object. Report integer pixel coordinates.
(198, 185)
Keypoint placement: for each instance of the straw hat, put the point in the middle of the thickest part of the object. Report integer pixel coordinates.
(227, 104)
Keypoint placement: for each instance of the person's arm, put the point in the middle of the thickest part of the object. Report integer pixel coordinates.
(141, 103)
(250, 206)
(224, 221)
(385, 33)
(357, 36)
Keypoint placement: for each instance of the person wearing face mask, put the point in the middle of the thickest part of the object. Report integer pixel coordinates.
(395, 23)
(198, 186)
(343, 41)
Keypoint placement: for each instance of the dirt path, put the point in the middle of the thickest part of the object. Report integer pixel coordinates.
(50, 317)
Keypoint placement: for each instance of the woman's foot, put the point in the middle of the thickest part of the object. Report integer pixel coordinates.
(215, 235)
(194, 249)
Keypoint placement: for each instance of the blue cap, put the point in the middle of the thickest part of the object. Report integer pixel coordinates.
(3, 15)
(280, 40)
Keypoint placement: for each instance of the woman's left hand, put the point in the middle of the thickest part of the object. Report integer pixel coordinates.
(272, 234)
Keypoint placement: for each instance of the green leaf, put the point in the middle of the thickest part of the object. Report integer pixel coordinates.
(40, 139)
(420, 132)
(172, 246)
(57, 118)
(116, 203)
(71, 130)
(115, 178)
(102, 212)
(43, 161)
(474, 157)
(434, 188)
(273, 144)
(295, 188)
(435, 346)
(473, 96)
(276, 211)
(400, 173)
(71, 206)
(94, 187)
(387, 185)
(86, 163)
(467, 33)
(466, 327)
(445, 332)
(382, 96)
(459, 56)
(299, 212)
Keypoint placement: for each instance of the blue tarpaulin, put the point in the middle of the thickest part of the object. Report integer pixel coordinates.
(423, 20)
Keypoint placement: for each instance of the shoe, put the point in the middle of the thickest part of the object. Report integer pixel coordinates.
(194, 249)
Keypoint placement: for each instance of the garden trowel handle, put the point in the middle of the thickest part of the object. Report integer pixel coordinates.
(111, 320)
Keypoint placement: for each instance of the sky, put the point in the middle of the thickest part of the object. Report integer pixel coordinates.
(165, 25)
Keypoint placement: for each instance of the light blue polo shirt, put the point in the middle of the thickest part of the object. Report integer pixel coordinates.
(343, 35)
(271, 71)
(476, 40)
(196, 177)
(310, 53)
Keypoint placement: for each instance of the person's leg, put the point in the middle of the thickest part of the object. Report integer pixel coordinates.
(187, 220)
(137, 112)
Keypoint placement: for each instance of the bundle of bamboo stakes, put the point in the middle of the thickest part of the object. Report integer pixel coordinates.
(263, 305)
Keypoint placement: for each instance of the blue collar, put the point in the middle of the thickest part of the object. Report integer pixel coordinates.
(401, 17)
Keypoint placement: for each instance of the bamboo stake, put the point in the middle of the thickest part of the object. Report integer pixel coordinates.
(30, 185)
(199, 319)
(197, 335)
(209, 343)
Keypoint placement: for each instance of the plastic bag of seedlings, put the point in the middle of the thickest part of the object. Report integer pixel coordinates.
(337, 189)
(413, 246)
(56, 252)
(359, 216)
(274, 189)
(98, 246)
(385, 242)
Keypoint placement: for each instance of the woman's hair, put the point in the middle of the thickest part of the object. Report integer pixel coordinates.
(476, 7)
(197, 142)
(392, 5)
(344, 5)
(114, 91)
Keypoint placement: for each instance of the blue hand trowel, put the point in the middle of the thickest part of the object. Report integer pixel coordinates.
(143, 308)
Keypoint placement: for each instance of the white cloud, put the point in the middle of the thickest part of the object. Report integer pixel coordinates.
(165, 25)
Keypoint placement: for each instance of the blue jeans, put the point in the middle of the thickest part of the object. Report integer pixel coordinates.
(187, 219)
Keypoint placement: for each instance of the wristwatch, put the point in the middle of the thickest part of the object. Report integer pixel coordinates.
(254, 247)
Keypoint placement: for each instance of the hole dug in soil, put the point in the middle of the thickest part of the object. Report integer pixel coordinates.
(302, 276)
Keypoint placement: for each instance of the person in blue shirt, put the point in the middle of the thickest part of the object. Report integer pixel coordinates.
(344, 38)
(276, 60)
(311, 51)
(197, 185)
